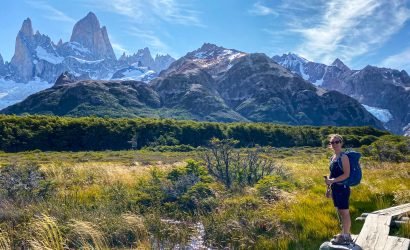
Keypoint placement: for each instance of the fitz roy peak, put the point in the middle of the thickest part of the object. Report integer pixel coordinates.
(37, 60)
(88, 55)
(90, 35)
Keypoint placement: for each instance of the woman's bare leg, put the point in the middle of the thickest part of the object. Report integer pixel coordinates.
(346, 221)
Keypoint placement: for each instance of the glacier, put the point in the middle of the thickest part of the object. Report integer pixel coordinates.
(12, 92)
(383, 115)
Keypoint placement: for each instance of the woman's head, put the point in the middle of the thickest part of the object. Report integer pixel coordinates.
(335, 142)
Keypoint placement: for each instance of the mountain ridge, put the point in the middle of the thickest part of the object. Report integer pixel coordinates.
(380, 90)
(219, 85)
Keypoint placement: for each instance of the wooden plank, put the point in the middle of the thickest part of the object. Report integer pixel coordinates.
(375, 231)
(397, 243)
(394, 211)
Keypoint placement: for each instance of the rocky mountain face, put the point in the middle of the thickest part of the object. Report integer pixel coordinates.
(34, 54)
(384, 92)
(211, 58)
(144, 58)
(89, 34)
(86, 97)
(88, 54)
(2, 66)
(212, 84)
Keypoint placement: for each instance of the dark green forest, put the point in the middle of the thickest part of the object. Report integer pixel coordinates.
(53, 133)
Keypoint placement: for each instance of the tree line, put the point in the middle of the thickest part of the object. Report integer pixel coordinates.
(54, 133)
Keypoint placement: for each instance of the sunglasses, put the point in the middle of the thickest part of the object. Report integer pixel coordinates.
(334, 142)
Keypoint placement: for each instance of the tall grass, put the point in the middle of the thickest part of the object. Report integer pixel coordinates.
(5, 243)
(404, 230)
(87, 236)
(136, 225)
(106, 200)
(46, 234)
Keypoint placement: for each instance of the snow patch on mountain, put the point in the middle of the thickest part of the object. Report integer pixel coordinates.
(12, 92)
(200, 55)
(383, 115)
(318, 82)
(406, 130)
(78, 47)
(302, 72)
(49, 57)
(86, 61)
(135, 73)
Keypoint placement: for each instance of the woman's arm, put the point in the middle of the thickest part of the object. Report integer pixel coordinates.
(346, 171)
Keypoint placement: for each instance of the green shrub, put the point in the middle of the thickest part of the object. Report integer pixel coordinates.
(269, 187)
(24, 183)
(368, 139)
(199, 197)
(388, 148)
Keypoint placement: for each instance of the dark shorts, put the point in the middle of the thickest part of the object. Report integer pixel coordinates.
(340, 196)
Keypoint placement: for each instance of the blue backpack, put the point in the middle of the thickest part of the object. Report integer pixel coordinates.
(355, 169)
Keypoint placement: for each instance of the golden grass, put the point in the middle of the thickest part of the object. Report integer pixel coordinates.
(46, 234)
(5, 243)
(305, 215)
(103, 173)
(311, 216)
(88, 236)
(136, 225)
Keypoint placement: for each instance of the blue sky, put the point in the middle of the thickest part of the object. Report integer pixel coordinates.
(359, 32)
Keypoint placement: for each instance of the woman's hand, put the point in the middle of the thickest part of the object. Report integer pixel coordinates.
(329, 181)
(328, 193)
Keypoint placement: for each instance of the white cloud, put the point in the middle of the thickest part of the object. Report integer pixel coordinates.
(348, 29)
(398, 61)
(149, 12)
(258, 9)
(118, 48)
(52, 13)
(174, 12)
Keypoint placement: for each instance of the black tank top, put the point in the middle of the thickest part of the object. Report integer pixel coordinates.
(336, 171)
(335, 168)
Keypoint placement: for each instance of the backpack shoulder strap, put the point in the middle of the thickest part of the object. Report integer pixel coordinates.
(339, 161)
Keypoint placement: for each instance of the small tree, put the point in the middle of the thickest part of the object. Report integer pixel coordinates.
(230, 166)
(218, 159)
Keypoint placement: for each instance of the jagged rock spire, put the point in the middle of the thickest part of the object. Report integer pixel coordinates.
(338, 63)
(89, 34)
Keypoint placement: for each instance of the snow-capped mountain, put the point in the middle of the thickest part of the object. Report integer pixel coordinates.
(384, 92)
(88, 55)
(88, 33)
(12, 92)
(213, 59)
(144, 57)
(212, 84)
(316, 73)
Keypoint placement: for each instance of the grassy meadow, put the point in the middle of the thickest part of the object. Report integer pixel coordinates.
(151, 200)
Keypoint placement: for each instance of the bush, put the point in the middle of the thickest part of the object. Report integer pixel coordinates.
(199, 197)
(388, 148)
(233, 169)
(269, 187)
(368, 139)
(351, 141)
(24, 183)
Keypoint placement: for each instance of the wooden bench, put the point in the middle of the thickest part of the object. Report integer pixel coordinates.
(376, 228)
(375, 231)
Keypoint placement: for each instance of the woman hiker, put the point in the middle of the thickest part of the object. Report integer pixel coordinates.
(339, 171)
